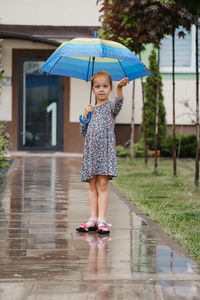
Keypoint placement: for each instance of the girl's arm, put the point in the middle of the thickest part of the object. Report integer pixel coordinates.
(117, 104)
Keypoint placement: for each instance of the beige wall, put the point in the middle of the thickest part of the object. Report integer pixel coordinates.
(80, 90)
(6, 96)
(185, 92)
(185, 101)
(50, 12)
(80, 95)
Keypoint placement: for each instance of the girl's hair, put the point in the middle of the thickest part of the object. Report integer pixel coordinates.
(101, 73)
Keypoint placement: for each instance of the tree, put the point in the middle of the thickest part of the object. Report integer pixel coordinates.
(194, 7)
(151, 91)
(140, 22)
(174, 16)
(112, 16)
(178, 17)
(122, 22)
(144, 121)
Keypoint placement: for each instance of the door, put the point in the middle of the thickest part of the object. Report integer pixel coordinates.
(40, 109)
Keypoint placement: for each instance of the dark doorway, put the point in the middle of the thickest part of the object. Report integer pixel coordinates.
(41, 106)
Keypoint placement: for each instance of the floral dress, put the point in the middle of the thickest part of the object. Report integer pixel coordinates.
(99, 155)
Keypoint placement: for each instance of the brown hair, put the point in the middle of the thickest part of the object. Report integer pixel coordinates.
(101, 73)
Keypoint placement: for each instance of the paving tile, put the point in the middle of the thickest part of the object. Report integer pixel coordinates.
(43, 257)
(15, 290)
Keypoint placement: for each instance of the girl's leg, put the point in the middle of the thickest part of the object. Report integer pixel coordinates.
(93, 197)
(102, 190)
(91, 224)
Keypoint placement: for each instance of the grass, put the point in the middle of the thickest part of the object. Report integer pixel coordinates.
(172, 203)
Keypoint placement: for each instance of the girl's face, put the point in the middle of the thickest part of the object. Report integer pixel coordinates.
(101, 88)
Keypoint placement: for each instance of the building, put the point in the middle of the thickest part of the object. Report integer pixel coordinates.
(42, 112)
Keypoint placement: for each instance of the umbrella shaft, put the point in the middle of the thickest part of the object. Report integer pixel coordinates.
(93, 59)
(90, 93)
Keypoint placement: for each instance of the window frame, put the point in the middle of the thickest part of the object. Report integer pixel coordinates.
(192, 67)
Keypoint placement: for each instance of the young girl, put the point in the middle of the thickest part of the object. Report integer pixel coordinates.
(99, 156)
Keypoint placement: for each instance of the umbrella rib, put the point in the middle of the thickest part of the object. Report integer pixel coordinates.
(55, 64)
(122, 68)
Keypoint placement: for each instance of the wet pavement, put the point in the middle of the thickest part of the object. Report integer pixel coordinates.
(42, 257)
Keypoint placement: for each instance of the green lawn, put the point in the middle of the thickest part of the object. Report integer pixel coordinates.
(173, 203)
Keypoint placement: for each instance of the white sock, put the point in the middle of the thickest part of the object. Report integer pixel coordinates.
(101, 220)
(93, 220)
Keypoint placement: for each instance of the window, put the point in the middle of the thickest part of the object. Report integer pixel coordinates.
(184, 52)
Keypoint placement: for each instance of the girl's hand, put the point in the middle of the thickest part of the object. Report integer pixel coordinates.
(88, 108)
(122, 83)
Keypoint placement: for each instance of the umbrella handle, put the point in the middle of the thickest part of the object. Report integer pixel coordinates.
(85, 122)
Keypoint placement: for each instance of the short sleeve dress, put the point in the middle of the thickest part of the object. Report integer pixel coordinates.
(99, 154)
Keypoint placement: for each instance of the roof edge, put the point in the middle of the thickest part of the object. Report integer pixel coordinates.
(27, 37)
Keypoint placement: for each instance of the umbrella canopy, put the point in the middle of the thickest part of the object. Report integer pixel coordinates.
(82, 57)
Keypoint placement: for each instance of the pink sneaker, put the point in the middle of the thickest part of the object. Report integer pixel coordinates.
(87, 226)
(103, 228)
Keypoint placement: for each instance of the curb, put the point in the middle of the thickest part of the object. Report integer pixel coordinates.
(155, 227)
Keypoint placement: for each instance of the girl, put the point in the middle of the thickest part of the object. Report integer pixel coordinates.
(99, 155)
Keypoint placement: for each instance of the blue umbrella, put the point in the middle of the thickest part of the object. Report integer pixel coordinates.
(82, 57)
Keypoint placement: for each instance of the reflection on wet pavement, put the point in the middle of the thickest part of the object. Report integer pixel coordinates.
(43, 257)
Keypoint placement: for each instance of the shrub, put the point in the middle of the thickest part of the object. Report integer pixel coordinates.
(4, 137)
(4, 146)
(122, 151)
(187, 146)
(139, 148)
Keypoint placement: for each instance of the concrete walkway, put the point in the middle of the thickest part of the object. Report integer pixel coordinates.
(43, 258)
